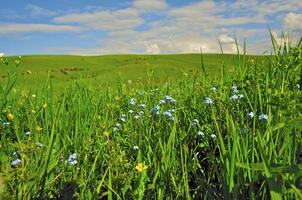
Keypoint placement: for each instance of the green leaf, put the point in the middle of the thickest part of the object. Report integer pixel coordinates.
(295, 123)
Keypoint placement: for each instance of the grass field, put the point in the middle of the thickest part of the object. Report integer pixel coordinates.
(231, 135)
(109, 70)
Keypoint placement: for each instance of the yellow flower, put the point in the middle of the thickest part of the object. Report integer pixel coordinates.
(44, 105)
(140, 167)
(33, 111)
(10, 116)
(38, 128)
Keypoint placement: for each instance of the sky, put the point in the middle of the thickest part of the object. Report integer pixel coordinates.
(97, 27)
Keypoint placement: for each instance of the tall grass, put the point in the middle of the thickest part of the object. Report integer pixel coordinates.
(230, 138)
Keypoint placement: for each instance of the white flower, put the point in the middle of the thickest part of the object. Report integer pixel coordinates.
(15, 163)
(72, 159)
(251, 115)
(133, 101)
(213, 89)
(200, 134)
(213, 136)
(263, 117)
(135, 147)
(208, 101)
(235, 89)
(136, 116)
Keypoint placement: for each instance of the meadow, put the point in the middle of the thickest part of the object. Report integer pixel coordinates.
(185, 127)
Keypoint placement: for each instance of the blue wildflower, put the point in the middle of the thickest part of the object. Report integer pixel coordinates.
(169, 115)
(72, 159)
(162, 101)
(170, 99)
(15, 163)
(155, 110)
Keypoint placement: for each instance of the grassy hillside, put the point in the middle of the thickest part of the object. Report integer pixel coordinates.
(103, 70)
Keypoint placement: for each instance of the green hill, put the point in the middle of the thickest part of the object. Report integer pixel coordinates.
(106, 70)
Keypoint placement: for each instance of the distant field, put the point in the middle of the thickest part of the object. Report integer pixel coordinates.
(110, 69)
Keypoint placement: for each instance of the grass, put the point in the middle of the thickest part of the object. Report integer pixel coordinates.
(199, 143)
(103, 71)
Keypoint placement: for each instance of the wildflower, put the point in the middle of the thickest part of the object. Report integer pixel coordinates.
(10, 116)
(240, 96)
(33, 96)
(44, 106)
(263, 117)
(155, 110)
(194, 122)
(208, 101)
(251, 115)
(38, 144)
(235, 89)
(38, 128)
(15, 163)
(140, 167)
(116, 127)
(171, 110)
(141, 112)
(213, 89)
(200, 134)
(170, 99)
(27, 133)
(133, 101)
(234, 97)
(136, 116)
(213, 136)
(298, 86)
(33, 111)
(135, 147)
(130, 111)
(162, 102)
(123, 118)
(6, 123)
(72, 159)
(143, 105)
(169, 115)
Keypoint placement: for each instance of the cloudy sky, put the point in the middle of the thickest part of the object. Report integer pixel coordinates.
(90, 27)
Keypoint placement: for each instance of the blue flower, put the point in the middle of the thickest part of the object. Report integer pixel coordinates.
(251, 115)
(263, 117)
(15, 163)
(155, 110)
(170, 99)
(208, 101)
(169, 115)
(133, 101)
(72, 159)
(162, 101)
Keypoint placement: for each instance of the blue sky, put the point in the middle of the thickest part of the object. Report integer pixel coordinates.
(93, 27)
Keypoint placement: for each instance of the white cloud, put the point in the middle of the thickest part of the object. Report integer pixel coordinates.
(150, 5)
(6, 29)
(293, 21)
(225, 39)
(39, 11)
(104, 19)
(151, 48)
